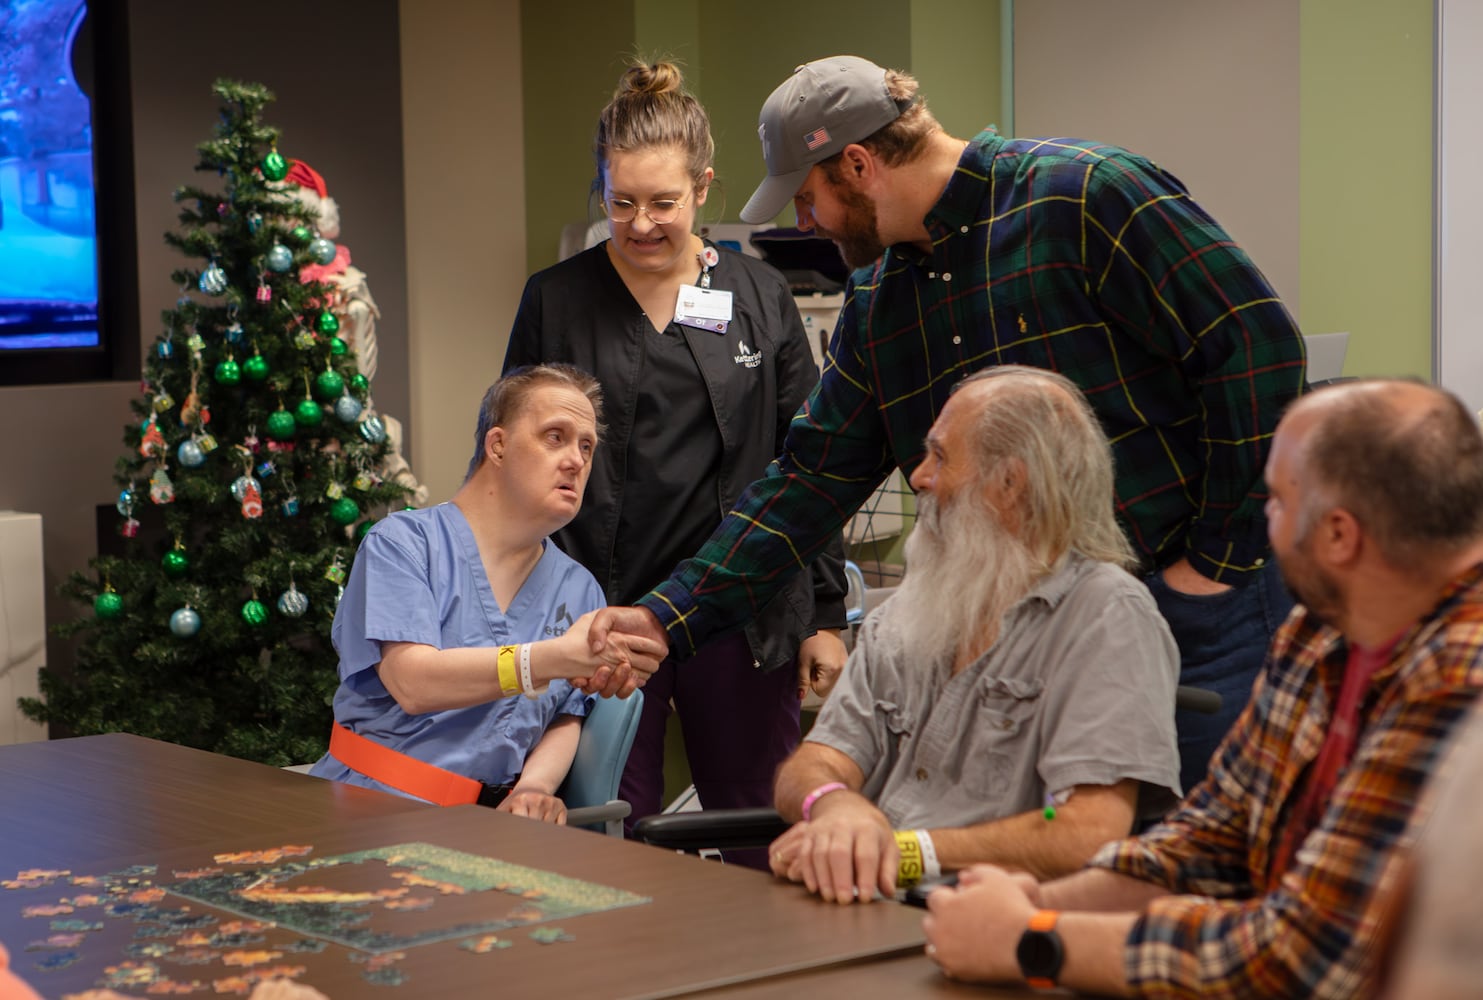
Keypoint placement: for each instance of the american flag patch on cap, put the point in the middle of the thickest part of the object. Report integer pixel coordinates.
(816, 138)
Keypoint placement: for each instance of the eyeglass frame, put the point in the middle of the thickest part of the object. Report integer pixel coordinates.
(679, 206)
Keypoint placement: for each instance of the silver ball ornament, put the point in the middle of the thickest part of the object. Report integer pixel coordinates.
(185, 623)
(213, 280)
(347, 408)
(280, 258)
(190, 454)
(373, 429)
(322, 250)
(292, 602)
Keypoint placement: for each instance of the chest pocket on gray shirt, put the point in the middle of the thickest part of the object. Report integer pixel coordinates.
(1000, 734)
(895, 727)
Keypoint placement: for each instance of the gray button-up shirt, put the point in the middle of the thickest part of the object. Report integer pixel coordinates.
(1078, 690)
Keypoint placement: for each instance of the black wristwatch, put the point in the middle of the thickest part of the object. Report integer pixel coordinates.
(1040, 951)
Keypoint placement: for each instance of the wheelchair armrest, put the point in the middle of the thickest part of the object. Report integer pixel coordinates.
(1193, 699)
(721, 829)
(606, 818)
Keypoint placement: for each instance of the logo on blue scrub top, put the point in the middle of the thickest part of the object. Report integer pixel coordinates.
(560, 623)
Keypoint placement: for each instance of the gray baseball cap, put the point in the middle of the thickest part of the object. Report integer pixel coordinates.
(819, 110)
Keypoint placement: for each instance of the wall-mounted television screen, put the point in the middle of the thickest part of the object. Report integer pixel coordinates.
(68, 301)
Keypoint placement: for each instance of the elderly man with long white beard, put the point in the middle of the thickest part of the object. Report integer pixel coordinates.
(1013, 701)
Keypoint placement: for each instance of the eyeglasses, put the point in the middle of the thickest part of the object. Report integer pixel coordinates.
(661, 212)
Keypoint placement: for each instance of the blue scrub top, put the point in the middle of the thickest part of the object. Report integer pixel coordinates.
(418, 578)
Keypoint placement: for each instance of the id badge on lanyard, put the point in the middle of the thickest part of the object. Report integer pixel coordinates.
(701, 306)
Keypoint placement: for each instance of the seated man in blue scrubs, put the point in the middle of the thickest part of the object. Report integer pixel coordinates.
(452, 613)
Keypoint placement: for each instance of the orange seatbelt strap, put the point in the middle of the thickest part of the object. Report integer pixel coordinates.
(399, 771)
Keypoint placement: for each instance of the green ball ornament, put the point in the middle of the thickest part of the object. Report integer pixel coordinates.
(328, 384)
(344, 511)
(302, 234)
(338, 346)
(328, 322)
(275, 167)
(364, 528)
(254, 612)
(308, 414)
(359, 384)
(176, 564)
(228, 372)
(108, 605)
(281, 425)
(255, 368)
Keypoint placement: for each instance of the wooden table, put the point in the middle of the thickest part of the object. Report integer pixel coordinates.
(99, 804)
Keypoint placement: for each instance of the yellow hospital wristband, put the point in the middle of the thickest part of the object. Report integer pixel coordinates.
(509, 679)
(910, 870)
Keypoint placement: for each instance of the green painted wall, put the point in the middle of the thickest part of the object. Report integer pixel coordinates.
(573, 53)
(1366, 183)
(955, 55)
(732, 57)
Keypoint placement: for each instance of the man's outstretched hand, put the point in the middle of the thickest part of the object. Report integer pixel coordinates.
(639, 632)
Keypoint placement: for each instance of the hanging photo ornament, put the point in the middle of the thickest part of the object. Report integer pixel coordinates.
(190, 454)
(292, 602)
(275, 167)
(213, 280)
(322, 250)
(347, 408)
(280, 258)
(185, 622)
(161, 489)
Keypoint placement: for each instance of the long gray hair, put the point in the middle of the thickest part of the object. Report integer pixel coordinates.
(1068, 502)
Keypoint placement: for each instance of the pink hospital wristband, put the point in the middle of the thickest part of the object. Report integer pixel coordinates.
(819, 793)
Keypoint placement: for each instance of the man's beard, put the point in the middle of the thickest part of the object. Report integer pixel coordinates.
(858, 239)
(1309, 585)
(963, 572)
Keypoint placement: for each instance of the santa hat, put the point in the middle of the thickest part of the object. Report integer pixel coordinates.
(311, 191)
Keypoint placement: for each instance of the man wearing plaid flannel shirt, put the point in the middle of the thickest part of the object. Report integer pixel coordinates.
(1056, 253)
(1278, 876)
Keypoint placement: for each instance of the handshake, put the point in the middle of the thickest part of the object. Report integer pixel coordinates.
(613, 651)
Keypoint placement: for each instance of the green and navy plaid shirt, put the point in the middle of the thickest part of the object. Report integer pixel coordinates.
(1075, 256)
(1236, 929)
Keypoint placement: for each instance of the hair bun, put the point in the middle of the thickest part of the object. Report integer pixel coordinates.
(651, 80)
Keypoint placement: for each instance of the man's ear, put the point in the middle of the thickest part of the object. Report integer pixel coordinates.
(1338, 538)
(494, 444)
(857, 166)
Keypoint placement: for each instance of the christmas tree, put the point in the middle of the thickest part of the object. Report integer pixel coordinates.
(255, 446)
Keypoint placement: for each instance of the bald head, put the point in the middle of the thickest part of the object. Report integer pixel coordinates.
(1405, 458)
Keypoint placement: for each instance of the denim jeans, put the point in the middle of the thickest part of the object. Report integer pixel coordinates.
(1223, 640)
